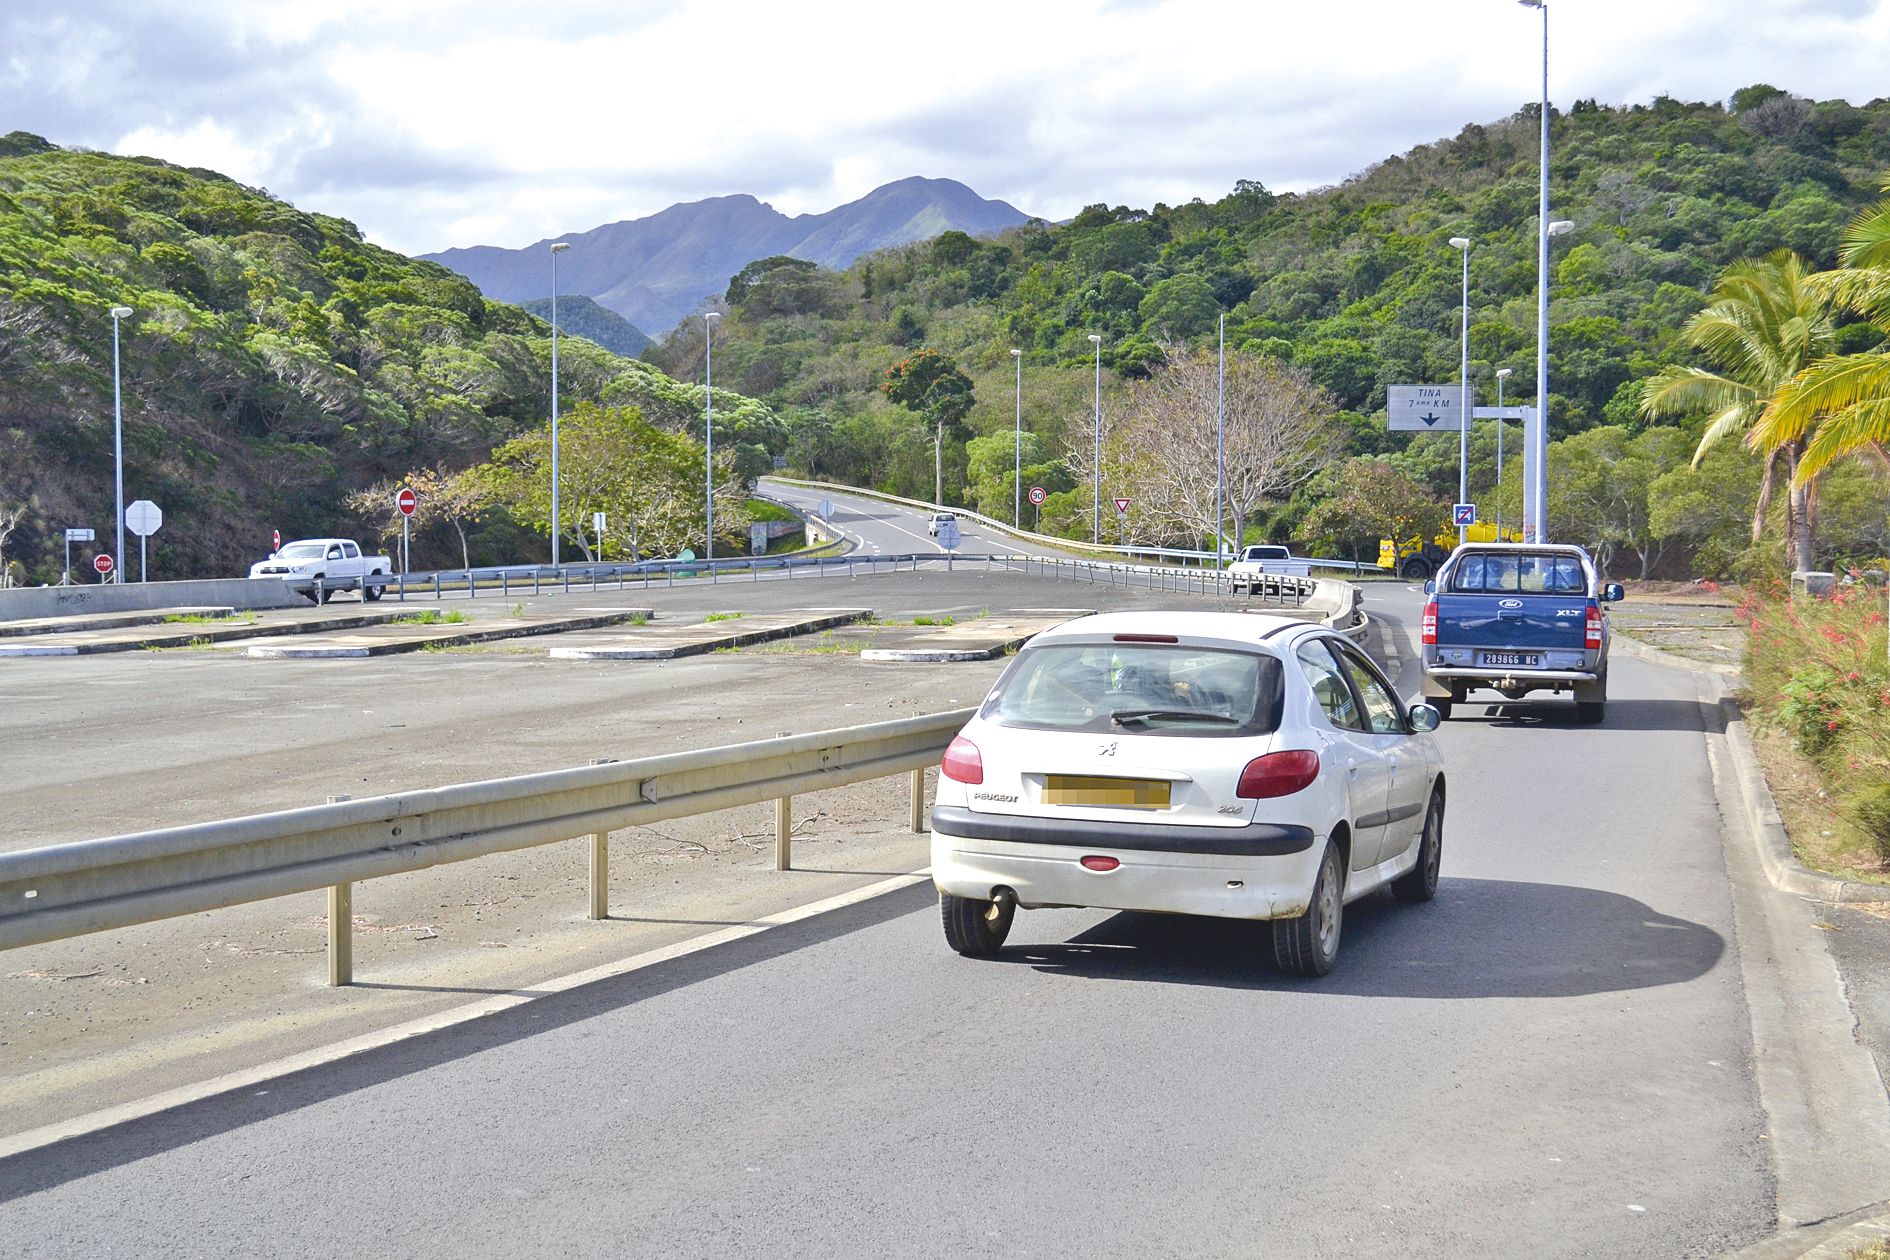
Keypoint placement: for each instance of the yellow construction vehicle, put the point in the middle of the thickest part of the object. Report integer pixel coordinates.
(1418, 559)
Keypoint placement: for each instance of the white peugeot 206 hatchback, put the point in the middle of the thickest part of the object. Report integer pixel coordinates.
(1223, 764)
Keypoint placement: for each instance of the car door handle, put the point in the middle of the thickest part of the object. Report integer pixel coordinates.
(1351, 765)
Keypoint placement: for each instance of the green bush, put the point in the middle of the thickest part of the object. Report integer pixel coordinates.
(1868, 810)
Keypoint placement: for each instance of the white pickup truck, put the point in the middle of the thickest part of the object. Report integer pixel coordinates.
(1265, 558)
(318, 567)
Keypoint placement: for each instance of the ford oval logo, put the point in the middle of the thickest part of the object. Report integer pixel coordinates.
(1509, 603)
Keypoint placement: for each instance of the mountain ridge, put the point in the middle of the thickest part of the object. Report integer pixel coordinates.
(657, 270)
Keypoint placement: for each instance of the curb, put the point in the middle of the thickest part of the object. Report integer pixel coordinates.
(1835, 1239)
(1774, 845)
(702, 647)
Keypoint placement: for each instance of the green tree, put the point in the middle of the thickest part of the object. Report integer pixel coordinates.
(1369, 500)
(647, 481)
(1843, 401)
(1766, 323)
(929, 383)
(1598, 490)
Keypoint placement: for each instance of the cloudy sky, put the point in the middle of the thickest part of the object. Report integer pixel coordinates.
(494, 122)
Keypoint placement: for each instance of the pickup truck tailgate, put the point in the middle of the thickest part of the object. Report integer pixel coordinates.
(1513, 622)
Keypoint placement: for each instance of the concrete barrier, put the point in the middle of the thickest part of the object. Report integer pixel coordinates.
(21, 603)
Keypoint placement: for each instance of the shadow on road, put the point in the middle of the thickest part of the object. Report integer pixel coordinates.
(1647, 714)
(127, 1143)
(1480, 938)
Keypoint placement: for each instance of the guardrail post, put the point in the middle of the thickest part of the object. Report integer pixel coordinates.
(505, 582)
(340, 927)
(917, 820)
(784, 833)
(600, 875)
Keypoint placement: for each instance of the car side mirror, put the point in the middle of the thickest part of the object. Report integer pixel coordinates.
(1612, 593)
(1423, 717)
(1430, 587)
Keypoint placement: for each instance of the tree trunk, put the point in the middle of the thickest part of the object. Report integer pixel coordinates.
(1798, 513)
(465, 556)
(1764, 504)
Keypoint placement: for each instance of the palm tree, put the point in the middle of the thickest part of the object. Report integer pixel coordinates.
(1844, 399)
(1766, 323)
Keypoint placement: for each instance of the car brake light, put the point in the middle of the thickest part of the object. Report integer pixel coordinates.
(1278, 774)
(963, 762)
(1428, 628)
(1146, 638)
(1096, 862)
(1594, 626)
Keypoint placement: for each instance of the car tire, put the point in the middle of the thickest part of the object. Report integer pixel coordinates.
(1442, 704)
(1420, 882)
(370, 591)
(970, 927)
(1307, 945)
(1417, 570)
(1590, 712)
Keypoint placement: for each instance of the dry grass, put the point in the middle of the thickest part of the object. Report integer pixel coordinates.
(1821, 837)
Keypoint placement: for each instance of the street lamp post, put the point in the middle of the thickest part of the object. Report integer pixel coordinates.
(1095, 511)
(118, 445)
(1462, 245)
(708, 431)
(1017, 449)
(1502, 375)
(1220, 449)
(1535, 475)
(557, 247)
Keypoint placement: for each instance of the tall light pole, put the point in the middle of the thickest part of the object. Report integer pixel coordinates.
(557, 247)
(1220, 448)
(118, 444)
(1535, 483)
(1017, 449)
(1462, 245)
(708, 431)
(1502, 375)
(1095, 510)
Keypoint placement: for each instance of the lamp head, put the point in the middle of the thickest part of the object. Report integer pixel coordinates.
(1560, 226)
(1017, 354)
(1532, 4)
(1095, 338)
(708, 315)
(558, 247)
(121, 312)
(1502, 373)
(1460, 242)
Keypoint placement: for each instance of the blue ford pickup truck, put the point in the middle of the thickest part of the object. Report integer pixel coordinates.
(1517, 618)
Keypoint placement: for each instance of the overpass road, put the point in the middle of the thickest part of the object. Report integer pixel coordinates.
(1557, 1057)
(876, 527)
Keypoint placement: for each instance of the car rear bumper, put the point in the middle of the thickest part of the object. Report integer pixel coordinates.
(1497, 677)
(1049, 871)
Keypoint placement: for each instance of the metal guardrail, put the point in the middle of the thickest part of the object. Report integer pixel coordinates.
(65, 890)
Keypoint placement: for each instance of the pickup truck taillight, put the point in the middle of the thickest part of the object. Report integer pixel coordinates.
(1594, 626)
(1428, 630)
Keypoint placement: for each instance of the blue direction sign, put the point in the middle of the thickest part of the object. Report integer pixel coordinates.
(1463, 513)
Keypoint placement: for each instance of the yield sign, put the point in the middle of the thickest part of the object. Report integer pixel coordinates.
(1122, 505)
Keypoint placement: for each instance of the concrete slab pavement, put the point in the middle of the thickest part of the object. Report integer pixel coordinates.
(668, 641)
(396, 635)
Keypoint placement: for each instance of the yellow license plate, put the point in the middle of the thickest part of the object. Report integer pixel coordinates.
(1084, 789)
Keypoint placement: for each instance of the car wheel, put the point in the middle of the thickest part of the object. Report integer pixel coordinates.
(370, 591)
(1442, 704)
(974, 927)
(1415, 570)
(1590, 712)
(1307, 946)
(1420, 882)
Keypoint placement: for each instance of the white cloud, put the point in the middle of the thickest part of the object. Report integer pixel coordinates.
(481, 121)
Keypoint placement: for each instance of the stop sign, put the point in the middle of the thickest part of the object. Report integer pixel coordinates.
(102, 562)
(406, 501)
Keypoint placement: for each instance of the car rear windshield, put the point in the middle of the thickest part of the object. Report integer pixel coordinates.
(1139, 688)
(1519, 572)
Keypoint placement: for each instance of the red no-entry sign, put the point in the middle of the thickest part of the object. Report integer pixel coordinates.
(102, 562)
(406, 501)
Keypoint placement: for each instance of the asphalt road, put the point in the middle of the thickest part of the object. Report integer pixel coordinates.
(880, 528)
(1553, 1058)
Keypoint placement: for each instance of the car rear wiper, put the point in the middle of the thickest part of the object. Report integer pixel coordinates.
(1142, 717)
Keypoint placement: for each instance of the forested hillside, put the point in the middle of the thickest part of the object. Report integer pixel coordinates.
(273, 362)
(1354, 286)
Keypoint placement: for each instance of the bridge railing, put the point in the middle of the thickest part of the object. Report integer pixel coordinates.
(65, 890)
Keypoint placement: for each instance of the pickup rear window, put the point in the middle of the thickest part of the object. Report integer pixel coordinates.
(1519, 572)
